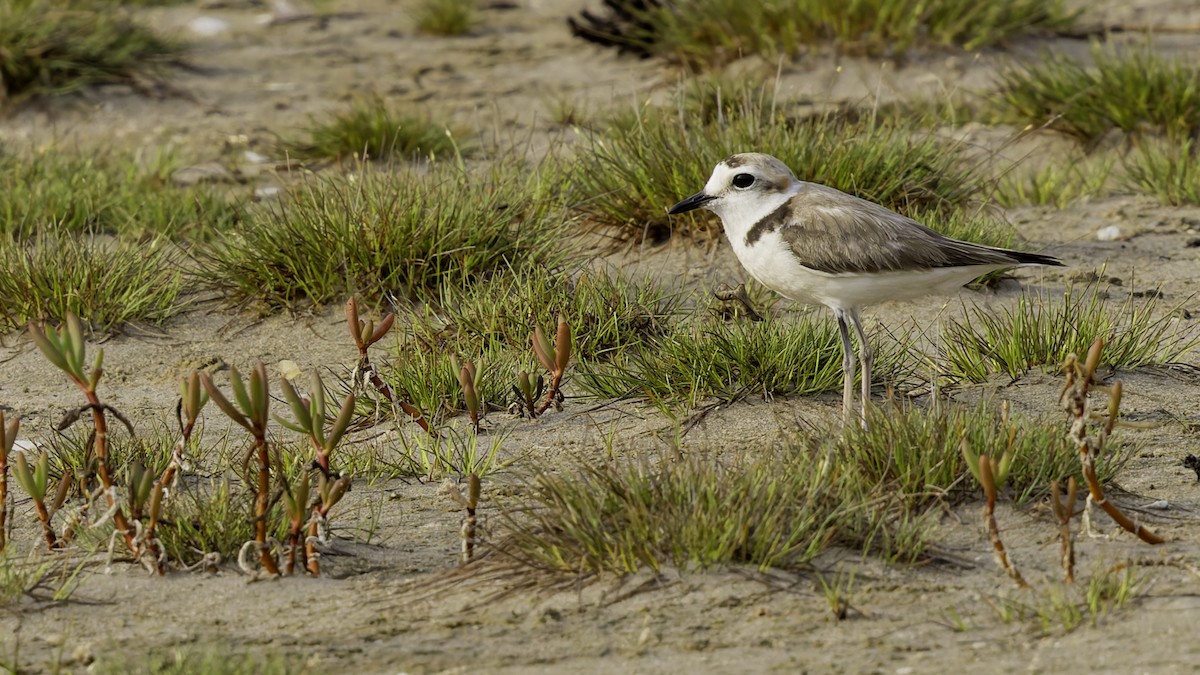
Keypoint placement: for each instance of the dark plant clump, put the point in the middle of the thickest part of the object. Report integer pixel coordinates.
(50, 47)
(716, 31)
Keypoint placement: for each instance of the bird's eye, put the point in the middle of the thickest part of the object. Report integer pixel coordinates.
(743, 180)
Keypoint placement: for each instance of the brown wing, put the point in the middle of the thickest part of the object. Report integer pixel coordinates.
(831, 231)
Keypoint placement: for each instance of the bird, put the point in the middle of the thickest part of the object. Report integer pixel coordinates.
(816, 245)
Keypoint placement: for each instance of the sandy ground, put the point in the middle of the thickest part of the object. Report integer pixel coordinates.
(395, 603)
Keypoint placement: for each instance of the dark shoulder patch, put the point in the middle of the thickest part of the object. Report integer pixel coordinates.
(768, 223)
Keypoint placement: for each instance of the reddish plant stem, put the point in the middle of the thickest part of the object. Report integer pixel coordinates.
(47, 530)
(555, 381)
(3, 499)
(1097, 495)
(293, 545)
(313, 564)
(364, 366)
(1064, 512)
(986, 474)
(100, 421)
(262, 504)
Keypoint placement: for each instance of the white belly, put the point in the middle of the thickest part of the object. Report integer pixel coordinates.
(773, 264)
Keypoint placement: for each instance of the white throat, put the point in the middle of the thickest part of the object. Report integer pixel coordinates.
(740, 211)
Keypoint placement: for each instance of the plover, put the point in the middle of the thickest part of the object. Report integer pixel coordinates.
(817, 245)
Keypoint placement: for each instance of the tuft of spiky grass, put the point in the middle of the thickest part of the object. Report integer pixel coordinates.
(651, 159)
(700, 360)
(1058, 183)
(379, 235)
(1042, 329)
(110, 283)
(370, 128)
(430, 379)
(1059, 609)
(50, 47)
(34, 577)
(767, 508)
(211, 659)
(917, 450)
(124, 194)
(1168, 170)
(608, 310)
(706, 32)
(207, 518)
(446, 17)
(1134, 91)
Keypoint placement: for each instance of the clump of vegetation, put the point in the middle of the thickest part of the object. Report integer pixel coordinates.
(1168, 170)
(381, 235)
(633, 173)
(1134, 91)
(1043, 330)
(212, 659)
(447, 17)
(120, 194)
(371, 129)
(1058, 183)
(700, 360)
(918, 450)
(871, 489)
(429, 380)
(50, 47)
(110, 282)
(1062, 608)
(608, 310)
(766, 508)
(716, 31)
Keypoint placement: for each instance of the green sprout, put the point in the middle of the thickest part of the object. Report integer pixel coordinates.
(553, 358)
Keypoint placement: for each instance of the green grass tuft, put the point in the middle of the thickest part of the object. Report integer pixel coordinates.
(380, 235)
(1043, 329)
(50, 47)
(1059, 183)
(447, 17)
(766, 508)
(778, 506)
(700, 360)
(208, 517)
(648, 161)
(34, 576)
(429, 380)
(371, 129)
(1169, 170)
(1132, 91)
(121, 194)
(105, 283)
(917, 450)
(214, 659)
(608, 311)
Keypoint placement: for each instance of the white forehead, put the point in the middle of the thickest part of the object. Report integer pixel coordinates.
(764, 167)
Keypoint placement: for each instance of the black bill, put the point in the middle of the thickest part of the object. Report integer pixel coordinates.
(694, 202)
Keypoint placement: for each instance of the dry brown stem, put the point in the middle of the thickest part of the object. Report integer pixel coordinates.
(1074, 399)
(469, 523)
(986, 472)
(1063, 512)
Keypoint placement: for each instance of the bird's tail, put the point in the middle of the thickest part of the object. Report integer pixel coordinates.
(1025, 258)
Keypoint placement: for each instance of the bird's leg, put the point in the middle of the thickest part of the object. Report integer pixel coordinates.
(866, 359)
(847, 365)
